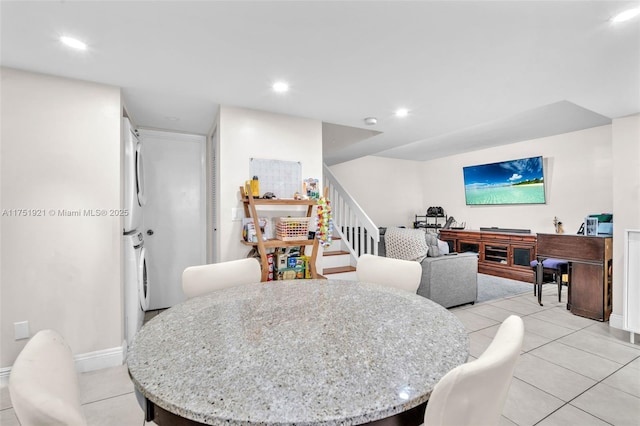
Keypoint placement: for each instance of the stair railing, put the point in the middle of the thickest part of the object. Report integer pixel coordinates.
(350, 222)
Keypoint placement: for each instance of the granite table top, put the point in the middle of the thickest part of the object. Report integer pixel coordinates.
(314, 352)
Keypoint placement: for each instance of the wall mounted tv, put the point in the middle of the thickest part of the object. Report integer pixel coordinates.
(507, 182)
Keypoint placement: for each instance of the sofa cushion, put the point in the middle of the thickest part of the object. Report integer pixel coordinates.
(443, 247)
(406, 244)
(432, 243)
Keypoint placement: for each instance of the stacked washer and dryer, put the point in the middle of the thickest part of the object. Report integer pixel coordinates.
(136, 287)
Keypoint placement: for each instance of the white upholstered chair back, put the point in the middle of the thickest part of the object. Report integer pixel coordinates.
(43, 383)
(474, 393)
(403, 274)
(203, 279)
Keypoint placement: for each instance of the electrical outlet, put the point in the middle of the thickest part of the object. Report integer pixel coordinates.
(21, 330)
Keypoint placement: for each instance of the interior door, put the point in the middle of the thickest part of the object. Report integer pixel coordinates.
(174, 215)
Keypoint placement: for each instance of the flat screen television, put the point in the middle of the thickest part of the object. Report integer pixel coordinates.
(507, 182)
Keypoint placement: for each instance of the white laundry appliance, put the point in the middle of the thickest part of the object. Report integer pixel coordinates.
(136, 291)
(136, 286)
(133, 178)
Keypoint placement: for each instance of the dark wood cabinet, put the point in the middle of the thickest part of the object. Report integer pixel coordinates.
(590, 272)
(502, 254)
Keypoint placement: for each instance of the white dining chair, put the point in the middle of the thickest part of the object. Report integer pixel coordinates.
(474, 393)
(203, 279)
(43, 384)
(402, 274)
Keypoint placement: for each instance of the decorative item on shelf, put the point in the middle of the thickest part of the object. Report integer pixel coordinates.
(591, 225)
(310, 188)
(325, 222)
(458, 225)
(597, 224)
(249, 229)
(558, 225)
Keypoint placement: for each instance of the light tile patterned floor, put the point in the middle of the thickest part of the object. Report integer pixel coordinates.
(572, 371)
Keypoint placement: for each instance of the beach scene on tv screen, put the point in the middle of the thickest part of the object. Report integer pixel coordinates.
(507, 182)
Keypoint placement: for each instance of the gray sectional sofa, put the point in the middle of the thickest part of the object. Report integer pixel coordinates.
(447, 279)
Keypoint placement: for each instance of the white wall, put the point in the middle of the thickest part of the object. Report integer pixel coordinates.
(60, 150)
(578, 177)
(244, 134)
(390, 191)
(578, 182)
(626, 199)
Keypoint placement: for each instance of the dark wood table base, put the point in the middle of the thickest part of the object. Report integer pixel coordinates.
(162, 417)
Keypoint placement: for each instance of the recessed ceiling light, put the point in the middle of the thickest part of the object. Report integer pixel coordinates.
(280, 86)
(626, 15)
(402, 112)
(370, 121)
(73, 42)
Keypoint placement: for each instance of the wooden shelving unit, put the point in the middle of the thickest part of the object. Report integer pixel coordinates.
(251, 210)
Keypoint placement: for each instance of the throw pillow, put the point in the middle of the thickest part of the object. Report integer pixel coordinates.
(432, 243)
(443, 246)
(405, 244)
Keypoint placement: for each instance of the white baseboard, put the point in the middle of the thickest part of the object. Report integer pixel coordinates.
(4, 376)
(616, 321)
(84, 362)
(98, 360)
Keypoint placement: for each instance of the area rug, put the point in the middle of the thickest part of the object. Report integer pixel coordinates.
(490, 287)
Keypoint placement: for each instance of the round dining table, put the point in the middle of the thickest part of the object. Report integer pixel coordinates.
(303, 352)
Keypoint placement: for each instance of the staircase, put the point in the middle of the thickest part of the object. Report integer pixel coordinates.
(354, 233)
(338, 263)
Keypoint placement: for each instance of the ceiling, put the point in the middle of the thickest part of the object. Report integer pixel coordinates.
(473, 74)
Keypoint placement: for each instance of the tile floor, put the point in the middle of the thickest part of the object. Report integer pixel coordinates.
(572, 371)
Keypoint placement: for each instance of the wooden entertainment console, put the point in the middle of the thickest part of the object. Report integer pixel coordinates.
(503, 254)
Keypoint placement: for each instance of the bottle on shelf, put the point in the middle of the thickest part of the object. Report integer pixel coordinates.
(255, 187)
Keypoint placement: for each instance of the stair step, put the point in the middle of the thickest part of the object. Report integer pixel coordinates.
(338, 270)
(335, 260)
(335, 253)
(344, 276)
